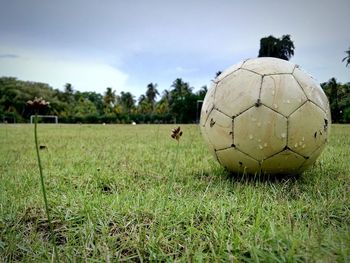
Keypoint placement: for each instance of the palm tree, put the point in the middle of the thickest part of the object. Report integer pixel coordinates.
(166, 95)
(152, 92)
(333, 98)
(282, 48)
(182, 101)
(286, 47)
(162, 106)
(202, 92)
(68, 93)
(127, 101)
(347, 58)
(180, 88)
(109, 97)
(142, 99)
(144, 105)
(68, 88)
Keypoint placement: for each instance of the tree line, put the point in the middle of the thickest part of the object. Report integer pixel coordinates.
(179, 104)
(339, 100)
(176, 105)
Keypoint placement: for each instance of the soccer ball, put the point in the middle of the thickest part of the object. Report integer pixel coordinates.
(265, 115)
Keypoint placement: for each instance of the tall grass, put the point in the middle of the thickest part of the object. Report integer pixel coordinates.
(43, 188)
(112, 198)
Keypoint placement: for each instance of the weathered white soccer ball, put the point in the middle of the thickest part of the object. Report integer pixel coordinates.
(265, 115)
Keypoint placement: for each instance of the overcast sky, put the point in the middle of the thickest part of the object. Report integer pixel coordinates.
(94, 44)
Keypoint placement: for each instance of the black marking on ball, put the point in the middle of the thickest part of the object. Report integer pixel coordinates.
(212, 123)
(258, 103)
(325, 124)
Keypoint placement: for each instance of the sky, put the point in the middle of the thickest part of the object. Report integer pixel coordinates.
(95, 44)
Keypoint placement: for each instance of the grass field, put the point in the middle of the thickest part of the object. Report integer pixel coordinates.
(127, 193)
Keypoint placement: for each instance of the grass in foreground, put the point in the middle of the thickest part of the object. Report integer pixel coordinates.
(113, 198)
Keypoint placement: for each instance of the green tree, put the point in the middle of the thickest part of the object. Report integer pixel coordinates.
(127, 101)
(333, 84)
(95, 98)
(142, 99)
(109, 100)
(146, 103)
(202, 92)
(68, 88)
(182, 102)
(84, 107)
(347, 58)
(144, 106)
(152, 92)
(282, 48)
(68, 93)
(15, 93)
(180, 88)
(339, 99)
(166, 96)
(162, 107)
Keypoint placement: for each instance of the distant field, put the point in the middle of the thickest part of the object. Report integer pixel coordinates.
(117, 193)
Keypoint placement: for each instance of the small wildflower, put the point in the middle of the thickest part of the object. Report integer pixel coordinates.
(176, 133)
(37, 103)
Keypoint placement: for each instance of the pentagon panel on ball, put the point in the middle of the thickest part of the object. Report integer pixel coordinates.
(228, 71)
(285, 162)
(237, 92)
(282, 93)
(265, 115)
(218, 125)
(268, 66)
(312, 90)
(307, 129)
(234, 160)
(260, 132)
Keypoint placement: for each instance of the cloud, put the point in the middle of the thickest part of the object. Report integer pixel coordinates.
(57, 70)
(180, 69)
(8, 56)
(127, 44)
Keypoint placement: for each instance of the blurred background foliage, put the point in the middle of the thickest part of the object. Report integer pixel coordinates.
(178, 104)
